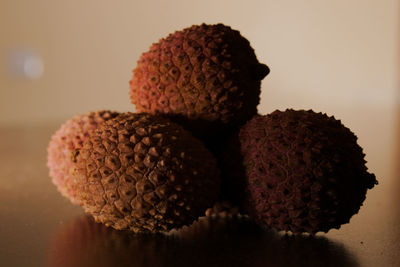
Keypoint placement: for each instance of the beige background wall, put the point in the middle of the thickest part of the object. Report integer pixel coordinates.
(326, 55)
(340, 57)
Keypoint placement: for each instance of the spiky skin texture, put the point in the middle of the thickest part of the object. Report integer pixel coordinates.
(305, 171)
(64, 142)
(146, 174)
(205, 77)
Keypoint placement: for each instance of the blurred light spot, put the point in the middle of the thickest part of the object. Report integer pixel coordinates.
(25, 64)
(33, 67)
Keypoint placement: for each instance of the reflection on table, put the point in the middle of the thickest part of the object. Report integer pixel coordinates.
(208, 242)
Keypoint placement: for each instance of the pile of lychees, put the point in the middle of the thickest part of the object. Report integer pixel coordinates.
(197, 139)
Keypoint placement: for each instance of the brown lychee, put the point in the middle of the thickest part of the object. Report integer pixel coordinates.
(304, 171)
(146, 174)
(64, 142)
(206, 77)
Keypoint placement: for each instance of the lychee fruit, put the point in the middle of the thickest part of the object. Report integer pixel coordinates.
(62, 145)
(304, 171)
(144, 173)
(205, 77)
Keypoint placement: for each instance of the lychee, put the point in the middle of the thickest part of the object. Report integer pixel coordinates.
(205, 77)
(304, 171)
(62, 145)
(146, 174)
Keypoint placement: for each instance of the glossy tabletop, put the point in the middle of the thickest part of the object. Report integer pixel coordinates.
(38, 227)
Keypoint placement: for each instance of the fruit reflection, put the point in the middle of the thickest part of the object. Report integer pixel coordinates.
(211, 241)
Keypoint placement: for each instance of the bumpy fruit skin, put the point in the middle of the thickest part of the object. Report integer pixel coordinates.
(205, 77)
(305, 171)
(146, 174)
(63, 143)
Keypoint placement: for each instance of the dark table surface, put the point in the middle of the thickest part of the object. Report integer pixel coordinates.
(41, 228)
